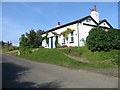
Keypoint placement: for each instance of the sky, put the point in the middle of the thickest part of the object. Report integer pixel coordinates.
(20, 17)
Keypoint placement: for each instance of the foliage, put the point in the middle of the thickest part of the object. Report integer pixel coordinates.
(113, 38)
(7, 46)
(46, 38)
(101, 40)
(41, 47)
(30, 40)
(23, 41)
(26, 50)
(56, 42)
(66, 33)
(39, 36)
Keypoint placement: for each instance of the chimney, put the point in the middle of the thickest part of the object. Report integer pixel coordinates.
(95, 8)
(94, 14)
(58, 24)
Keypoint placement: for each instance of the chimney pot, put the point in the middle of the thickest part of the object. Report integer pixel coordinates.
(95, 8)
(58, 23)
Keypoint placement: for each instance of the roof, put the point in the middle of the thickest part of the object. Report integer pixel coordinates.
(104, 20)
(79, 20)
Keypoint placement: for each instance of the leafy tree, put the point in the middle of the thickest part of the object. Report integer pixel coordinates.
(23, 41)
(113, 38)
(101, 40)
(39, 37)
(32, 39)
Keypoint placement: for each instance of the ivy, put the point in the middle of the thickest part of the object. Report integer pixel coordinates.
(56, 42)
(66, 33)
(46, 38)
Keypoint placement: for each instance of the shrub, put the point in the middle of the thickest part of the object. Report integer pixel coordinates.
(41, 47)
(101, 40)
(26, 50)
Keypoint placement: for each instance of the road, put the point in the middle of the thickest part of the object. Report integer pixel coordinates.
(22, 73)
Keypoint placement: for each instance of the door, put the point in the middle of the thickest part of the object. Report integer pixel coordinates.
(51, 42)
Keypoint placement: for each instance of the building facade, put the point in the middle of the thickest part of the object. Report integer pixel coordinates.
(78, 36)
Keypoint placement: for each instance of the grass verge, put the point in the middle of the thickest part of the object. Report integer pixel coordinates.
(54, 56)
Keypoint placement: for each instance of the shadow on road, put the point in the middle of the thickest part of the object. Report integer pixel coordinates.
(10, 78)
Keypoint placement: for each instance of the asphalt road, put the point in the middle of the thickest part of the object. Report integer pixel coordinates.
(22, 73)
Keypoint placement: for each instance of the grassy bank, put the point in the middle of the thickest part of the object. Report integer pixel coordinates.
(110, 57)
(54, 56)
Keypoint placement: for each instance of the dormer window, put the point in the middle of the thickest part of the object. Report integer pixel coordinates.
(104, 23)
(88, 20)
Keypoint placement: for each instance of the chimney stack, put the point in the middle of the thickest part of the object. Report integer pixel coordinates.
(95, 8)
(94, 14)
(58, 23)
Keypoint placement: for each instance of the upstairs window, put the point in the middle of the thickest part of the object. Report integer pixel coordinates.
(104, 23)
(88, 20)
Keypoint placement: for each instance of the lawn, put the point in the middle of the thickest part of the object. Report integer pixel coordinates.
(56, 56)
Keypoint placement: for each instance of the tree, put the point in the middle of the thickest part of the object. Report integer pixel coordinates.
(113, 38)
(101, 40)
(23, 41)
(32, 39)
(39, 37)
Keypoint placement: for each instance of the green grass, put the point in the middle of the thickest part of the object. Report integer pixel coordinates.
(94, 57)
(54, 56)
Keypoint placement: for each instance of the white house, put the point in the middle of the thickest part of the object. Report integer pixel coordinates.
(81, 30)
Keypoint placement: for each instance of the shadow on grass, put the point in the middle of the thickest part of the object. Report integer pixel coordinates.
(10, 78)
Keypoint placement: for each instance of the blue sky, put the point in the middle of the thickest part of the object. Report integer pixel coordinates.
(20, 17)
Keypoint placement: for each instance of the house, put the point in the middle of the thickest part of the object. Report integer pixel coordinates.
(81, 29)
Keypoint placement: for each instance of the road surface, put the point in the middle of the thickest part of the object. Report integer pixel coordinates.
(22, 73)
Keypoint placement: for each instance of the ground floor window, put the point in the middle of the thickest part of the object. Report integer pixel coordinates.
(63, 39)
(72, 37)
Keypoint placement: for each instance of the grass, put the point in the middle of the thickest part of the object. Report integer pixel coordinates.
(55, 56)
(102, 57)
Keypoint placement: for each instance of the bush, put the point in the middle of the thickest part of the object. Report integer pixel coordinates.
(41, 47)
(62, 46)
(26, 50)
(101, 40)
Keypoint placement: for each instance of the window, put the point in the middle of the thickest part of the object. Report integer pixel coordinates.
(63, 39)
(72, 37)
(88, 20)
(104, 23)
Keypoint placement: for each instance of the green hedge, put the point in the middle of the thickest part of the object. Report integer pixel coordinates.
(101, 40)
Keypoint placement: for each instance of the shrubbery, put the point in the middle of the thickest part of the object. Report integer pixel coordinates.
(102, 40)
(30, 41)
(26, 50)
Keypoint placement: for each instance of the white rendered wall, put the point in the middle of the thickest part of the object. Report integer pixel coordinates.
(83, 33)
(104, 24)
(60, 39)
(95, 16)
